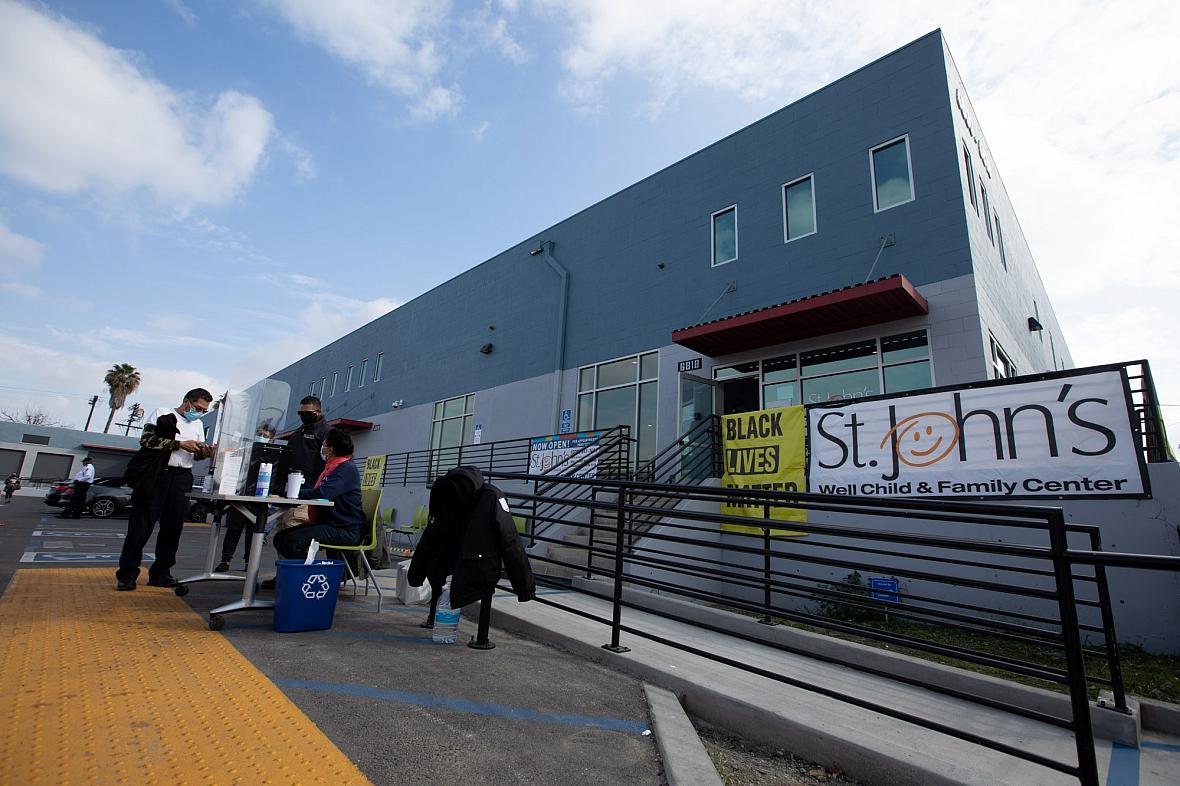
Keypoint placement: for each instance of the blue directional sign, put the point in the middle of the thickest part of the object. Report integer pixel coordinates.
(885, 589)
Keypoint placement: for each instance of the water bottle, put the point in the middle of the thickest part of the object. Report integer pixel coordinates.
(263, 487)
(446, 619)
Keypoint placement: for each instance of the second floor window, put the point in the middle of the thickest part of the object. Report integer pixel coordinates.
(724, 235)
(799, 208)
(893, 180)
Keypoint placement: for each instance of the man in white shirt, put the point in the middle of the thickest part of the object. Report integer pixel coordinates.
(82, 481)
(166, 499)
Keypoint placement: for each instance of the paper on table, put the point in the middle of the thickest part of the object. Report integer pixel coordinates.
(229, 474)
(312, 548)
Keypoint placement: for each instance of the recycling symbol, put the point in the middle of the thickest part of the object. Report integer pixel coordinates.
(316, 586)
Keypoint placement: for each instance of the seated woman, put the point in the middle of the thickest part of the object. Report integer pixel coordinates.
(342, 524)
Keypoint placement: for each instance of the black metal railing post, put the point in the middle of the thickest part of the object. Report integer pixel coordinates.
(766, 618)
(590, 537)
(617, 599)
(1075, 664)
(1108, 632)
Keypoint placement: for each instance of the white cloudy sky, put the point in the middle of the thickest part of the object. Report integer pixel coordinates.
(210, 190)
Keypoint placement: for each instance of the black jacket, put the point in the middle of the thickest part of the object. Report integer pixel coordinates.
(471, 535)
(305, 445)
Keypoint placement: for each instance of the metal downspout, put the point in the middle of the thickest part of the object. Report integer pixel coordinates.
(563, 308)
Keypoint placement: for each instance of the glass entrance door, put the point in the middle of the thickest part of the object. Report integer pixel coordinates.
(697, 396)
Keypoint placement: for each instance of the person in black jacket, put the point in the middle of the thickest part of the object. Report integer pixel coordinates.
(306, 441)
(470, 535)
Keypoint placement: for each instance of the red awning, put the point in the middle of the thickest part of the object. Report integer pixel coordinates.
(348, 424)
(883, 300)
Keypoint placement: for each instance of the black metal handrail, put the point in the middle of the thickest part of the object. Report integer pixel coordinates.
(1053, 565)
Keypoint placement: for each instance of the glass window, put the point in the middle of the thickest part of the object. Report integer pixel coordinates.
(909, 376)
(621, 393)
(453, 427)
(970, 179)
(323, 385)
(727, 372)
(469, 404)
(892, 183)
(841, 387)
(615, 407)
(335, 377)
(783, 394)
(619, 372)
(586, 412)
(799, 208)
(348, 380)
(1002, 365)
(1000, 241)
(377, 365)
(364, 372)
(649, 366)
(725, 235)
(781, 369)
(904, 346)
(646, 432)
(842, 358)
(987, 214)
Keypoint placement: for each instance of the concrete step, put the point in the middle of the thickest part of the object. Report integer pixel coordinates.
(869, 746)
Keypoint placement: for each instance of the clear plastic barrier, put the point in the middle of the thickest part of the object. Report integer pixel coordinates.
(245, 418)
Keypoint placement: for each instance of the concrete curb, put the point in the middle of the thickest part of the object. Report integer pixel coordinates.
(686, 762)
(1160, 716)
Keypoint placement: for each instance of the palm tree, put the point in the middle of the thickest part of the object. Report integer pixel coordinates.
(122, 379)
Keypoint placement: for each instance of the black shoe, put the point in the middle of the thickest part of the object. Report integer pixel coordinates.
(124, 586)
(222, 567)
(163, 581)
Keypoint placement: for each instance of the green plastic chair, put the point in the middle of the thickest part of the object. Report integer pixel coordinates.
(371, 504)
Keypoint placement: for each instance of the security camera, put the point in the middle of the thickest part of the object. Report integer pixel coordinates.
(397, 404)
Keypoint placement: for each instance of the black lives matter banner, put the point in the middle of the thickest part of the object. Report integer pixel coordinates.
(1069, 436)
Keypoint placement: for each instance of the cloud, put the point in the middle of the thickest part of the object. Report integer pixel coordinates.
(20, 256)
(59, 381)
(480, 130)
(396, 45)
(183, 11)
(24, 290)
(322, 318)
(304, 163)
(77, 115)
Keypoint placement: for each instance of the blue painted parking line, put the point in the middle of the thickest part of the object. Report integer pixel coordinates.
(1160, 746)
(467, 705)
(1124, 765)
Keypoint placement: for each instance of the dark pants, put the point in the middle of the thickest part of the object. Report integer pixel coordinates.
(164, 502)
(293, 543)
(235, 524)
(77, 500)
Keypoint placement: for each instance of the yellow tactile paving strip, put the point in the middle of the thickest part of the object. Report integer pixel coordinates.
(98, 687)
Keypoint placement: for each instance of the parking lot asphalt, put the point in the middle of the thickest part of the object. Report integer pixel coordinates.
(404, 709)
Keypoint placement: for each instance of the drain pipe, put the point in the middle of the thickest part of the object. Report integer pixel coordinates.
(546, 249)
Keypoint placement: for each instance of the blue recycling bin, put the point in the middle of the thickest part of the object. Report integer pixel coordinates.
(305, 595)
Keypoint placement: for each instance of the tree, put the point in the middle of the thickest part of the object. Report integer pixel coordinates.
(122, 379)
(30, 417)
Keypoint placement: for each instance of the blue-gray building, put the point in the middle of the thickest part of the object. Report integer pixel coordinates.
(858, 241)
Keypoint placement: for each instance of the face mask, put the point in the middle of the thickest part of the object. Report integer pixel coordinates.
(192, 415)
(323, 456)
(308, 417)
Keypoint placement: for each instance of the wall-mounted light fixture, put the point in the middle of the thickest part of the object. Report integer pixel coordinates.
(1034, 325)
(486, 349)
(397, 404)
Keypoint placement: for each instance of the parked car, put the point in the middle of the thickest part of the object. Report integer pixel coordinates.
(107, 497)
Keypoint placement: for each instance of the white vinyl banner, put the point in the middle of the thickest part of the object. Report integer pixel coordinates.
(1069, 436)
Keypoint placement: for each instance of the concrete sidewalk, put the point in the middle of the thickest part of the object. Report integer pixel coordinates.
(869, 746)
